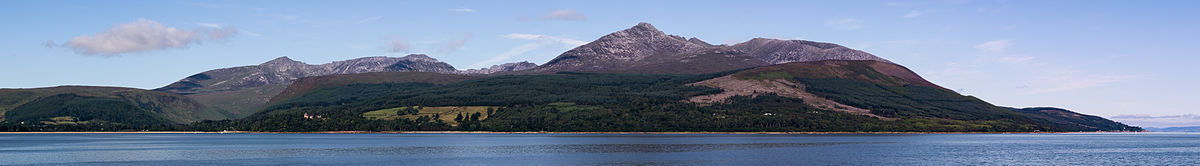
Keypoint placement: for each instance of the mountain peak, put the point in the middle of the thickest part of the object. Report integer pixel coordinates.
(641, 30)
(283, 60)
(645, 26)
(422, 57)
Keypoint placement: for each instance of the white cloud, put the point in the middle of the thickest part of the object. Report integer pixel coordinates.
(906, 43)
(463, 10)
(565, 14)
(539, 41)
(846, 23)
(1066, 80)
(210, 25)
(913, 14)
(995, 46)
(956, 74)
(48, 44)
(453, 45)
(397, 45)
(506, 55)
(1016, 59)
(1010, 27)
(545, 38)
(144, 35)
(250, 33)
(369, 19)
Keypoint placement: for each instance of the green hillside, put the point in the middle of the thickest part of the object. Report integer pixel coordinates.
(171, 106)
(823, 96)
(610, 102)
(82, 110)
(1072, 121)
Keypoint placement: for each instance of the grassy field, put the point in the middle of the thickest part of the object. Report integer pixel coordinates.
(446, 114)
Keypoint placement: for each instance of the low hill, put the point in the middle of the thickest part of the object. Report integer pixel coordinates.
(1174, 129)
(174, 107)
(1072, 121)
(73, 109)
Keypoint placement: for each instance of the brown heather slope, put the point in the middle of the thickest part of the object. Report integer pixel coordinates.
(777, 79)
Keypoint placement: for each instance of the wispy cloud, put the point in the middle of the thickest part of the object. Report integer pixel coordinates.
(144, 35)
(1016, 59)
(545, 38)
(210, 25)
(995, 46)
(369, 19)
(49, 44)
(845, 23)
(506, 55)
(914, 14)
(227, 6)
(538, 42)
(566, 15)
(1066, 80)
(463, 10)
(453, 45)
(397, 45)
(249, 33)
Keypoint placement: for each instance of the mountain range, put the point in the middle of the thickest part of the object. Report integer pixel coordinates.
(636, 79)
(1174, 129)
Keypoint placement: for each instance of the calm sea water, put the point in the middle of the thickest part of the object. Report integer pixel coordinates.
(607, 149)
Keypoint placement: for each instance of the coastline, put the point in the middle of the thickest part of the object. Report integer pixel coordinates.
(531, 132)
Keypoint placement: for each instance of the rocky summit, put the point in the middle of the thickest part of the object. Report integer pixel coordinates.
(645, 49)
(284, 70)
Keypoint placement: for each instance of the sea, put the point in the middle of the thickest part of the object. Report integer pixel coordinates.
(599, 149)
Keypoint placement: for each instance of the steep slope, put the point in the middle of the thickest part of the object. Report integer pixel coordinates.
(645, 49)
(620, 50)
(1072, 121)
(171, 106)
(873, 88)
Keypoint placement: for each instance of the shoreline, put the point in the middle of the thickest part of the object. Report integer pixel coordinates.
(529, 132)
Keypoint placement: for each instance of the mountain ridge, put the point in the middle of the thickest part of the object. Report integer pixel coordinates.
(644, 49)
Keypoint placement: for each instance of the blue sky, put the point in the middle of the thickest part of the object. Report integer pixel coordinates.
(1127, 61)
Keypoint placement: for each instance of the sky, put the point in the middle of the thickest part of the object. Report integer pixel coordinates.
(1125, 60)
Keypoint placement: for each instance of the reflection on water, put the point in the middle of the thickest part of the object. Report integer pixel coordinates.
(529, 149)
(619, 149)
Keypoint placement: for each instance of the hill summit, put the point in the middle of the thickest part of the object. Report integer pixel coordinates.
(645, 49)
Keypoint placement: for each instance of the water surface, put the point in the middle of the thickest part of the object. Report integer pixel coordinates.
(607, 149)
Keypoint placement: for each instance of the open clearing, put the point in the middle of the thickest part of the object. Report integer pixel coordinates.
(445, 113)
